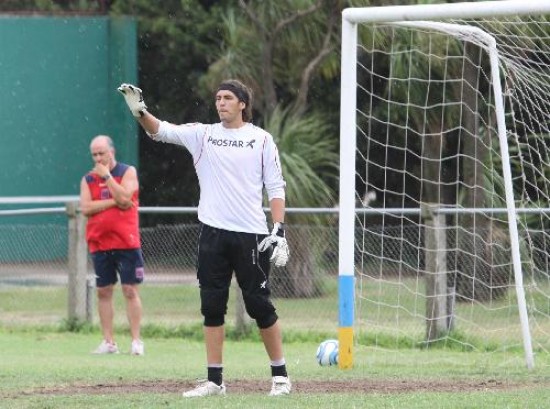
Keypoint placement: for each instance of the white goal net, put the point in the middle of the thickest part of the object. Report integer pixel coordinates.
(452, 180)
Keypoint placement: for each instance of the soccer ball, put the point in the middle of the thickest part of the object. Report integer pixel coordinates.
(327, 353)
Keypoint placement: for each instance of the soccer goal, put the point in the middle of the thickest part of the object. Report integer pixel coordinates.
(444, 235)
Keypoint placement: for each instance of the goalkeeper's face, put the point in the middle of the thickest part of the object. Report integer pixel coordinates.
(229, 108)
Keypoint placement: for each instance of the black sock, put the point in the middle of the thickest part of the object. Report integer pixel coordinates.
(279, 370)
(215, 375)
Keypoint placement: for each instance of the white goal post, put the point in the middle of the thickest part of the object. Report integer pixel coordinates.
(445, 211)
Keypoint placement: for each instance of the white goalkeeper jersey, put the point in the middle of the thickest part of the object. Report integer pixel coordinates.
(233, 166)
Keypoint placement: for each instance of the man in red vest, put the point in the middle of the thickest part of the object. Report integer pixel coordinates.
(109, 198)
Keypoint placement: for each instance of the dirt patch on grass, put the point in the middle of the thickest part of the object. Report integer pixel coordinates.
(364, 386)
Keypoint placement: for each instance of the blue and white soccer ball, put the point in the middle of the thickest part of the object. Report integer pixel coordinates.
(327, 353)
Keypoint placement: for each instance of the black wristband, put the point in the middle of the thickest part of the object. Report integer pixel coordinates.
(106, 177)
(281, 229)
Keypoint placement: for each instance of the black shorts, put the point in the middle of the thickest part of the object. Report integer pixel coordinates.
(108, 265)
(222, 252)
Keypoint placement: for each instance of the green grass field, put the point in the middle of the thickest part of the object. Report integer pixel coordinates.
(386, 309)
(46, 369)
(46, 360)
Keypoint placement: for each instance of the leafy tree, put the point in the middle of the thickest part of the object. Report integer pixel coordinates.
(280, 49)
(55, 6)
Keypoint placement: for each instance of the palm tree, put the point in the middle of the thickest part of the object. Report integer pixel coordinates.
(279, 48)
(308, 156)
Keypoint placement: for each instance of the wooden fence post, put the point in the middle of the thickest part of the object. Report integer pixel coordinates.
(77, 260)
(436, 272)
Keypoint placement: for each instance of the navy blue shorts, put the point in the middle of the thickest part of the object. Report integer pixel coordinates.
(108, 265)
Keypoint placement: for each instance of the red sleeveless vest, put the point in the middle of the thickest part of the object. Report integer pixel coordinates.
(114, 228)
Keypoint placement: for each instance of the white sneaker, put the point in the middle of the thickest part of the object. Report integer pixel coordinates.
(205, 388)
(281, 386)
(137, 347)
(106, 348)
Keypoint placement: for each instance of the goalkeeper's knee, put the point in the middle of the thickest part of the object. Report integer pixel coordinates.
(261, 310)
(266, 322)
(214, 307)
(214, 321)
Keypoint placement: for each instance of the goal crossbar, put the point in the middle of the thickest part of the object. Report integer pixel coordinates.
(389, 14)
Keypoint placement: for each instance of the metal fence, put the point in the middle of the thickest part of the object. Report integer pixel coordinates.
(46, 275)
(44, 259)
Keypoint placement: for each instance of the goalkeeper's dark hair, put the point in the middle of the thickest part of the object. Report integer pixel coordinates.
(242, 92)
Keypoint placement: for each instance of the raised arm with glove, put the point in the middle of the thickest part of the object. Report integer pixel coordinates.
(134, 99)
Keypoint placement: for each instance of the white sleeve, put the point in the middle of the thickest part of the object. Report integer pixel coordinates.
(188, 135)
(273, 175)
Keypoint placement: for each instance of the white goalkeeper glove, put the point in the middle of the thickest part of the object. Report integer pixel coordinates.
(134, 99)
(281, 253)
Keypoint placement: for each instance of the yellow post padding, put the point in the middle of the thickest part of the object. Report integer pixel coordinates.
(345, 347)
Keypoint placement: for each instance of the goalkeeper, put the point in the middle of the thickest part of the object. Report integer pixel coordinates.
(234, 160)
